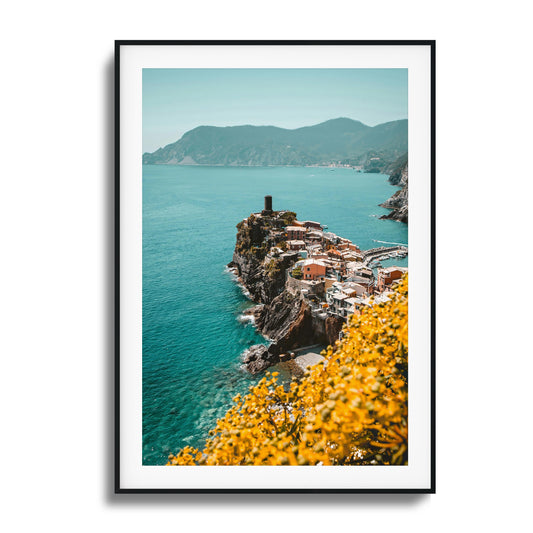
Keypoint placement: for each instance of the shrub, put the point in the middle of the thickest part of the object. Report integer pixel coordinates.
(352, 410)
(297, 273)
(288, 217)
(273, 268)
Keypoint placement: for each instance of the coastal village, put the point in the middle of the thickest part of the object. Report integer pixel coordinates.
(306, 282)
(332, 273)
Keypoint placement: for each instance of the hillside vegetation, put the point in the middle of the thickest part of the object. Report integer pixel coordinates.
(352, 410)
(342, 139)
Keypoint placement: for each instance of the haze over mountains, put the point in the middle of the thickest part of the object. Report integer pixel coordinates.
(340, 140)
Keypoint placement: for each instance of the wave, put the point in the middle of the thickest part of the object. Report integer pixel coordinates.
(246, 319)
(243, 353)
(244, 290)
(233, 273)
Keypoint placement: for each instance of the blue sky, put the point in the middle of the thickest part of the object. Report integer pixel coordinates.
(178, 100)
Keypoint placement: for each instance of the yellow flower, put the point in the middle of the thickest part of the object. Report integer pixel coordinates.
(351, 411)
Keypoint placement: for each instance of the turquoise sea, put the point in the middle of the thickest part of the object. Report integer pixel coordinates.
(193, 334)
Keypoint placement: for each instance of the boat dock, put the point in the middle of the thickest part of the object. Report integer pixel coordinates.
(375, 255)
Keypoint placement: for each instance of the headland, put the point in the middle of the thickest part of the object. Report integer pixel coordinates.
(305, 281)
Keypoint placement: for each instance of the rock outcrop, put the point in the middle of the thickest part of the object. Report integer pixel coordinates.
(257, 358)
(264, 278)
(274, 319)
(289, 323)
(282, 316)
(262, 272)
(398, 202)
(333, 327)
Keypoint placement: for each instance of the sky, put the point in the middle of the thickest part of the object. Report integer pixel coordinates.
(178, 100)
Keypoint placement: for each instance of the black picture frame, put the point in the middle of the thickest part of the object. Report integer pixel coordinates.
(119, 488)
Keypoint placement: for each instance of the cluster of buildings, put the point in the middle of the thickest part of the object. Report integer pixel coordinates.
(331, 272)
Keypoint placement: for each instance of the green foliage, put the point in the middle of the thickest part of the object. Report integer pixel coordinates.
(288, 217)
(297, 273)
(251, 238)
(273, 268)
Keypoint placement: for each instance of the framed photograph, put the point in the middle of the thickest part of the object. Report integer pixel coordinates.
(275, 278)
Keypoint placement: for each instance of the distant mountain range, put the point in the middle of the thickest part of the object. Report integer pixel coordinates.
(340, 140)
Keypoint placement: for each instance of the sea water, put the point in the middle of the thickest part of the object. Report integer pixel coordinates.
(194, 331)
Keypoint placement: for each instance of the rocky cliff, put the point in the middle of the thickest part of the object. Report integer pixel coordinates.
(261, 270)
(264, 278)
(282, 316)
(289, 323)
(398, 202)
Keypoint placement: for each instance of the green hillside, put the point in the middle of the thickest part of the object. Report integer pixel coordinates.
(338, 140)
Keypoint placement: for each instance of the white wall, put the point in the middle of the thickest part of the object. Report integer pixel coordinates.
(57, 153)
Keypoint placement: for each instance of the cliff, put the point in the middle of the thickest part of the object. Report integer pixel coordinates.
(264, 278)
(289, 323)
(262, 272)
(282, 316)
(398, 202)
(394, 169)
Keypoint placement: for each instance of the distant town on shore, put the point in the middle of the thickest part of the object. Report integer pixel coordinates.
(340, 142)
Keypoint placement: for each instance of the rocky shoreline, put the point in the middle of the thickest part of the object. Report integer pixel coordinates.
(281, 315)
(398, 202)
(288, 323)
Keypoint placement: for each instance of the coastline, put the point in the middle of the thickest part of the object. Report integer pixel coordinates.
(220, 165)
(305, 282)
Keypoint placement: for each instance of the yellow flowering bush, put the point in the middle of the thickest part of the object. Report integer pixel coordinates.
(349, 410)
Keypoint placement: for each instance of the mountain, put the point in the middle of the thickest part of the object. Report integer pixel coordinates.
(338, 140)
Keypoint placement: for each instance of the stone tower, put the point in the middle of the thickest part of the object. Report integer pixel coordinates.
(268, 205)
